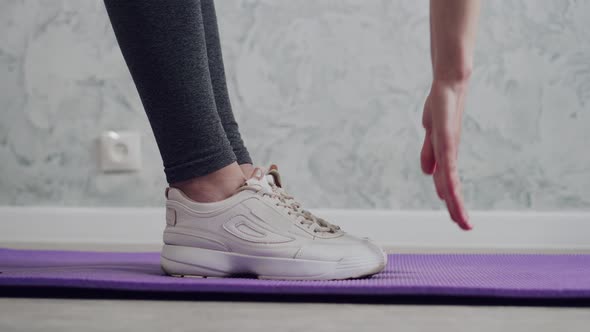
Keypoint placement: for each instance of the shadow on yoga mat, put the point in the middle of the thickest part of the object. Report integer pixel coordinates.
(502, 279)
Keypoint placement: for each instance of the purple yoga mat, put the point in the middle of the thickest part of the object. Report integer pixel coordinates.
(563, 276)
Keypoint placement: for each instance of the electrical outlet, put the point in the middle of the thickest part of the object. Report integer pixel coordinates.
(120, 151)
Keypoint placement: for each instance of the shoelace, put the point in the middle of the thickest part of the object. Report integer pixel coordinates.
(304, 217)
(321, 225)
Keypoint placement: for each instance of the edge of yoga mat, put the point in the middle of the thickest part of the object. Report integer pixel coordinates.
(110, 294)
(422, 277)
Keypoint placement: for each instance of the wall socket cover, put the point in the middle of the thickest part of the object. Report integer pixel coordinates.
(120, 151)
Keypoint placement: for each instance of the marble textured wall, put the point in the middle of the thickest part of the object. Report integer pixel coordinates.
(331, 90)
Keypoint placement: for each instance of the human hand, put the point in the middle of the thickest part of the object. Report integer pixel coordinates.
(443, 112)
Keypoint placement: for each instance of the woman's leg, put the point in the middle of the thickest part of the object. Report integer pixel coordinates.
(217, 71)
(259, 231)
(163, 43)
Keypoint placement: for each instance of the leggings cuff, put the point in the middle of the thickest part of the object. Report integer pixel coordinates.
(199, 167)
(243, 157)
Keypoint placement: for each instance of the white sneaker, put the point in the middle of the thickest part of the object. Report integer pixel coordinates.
(260, 231)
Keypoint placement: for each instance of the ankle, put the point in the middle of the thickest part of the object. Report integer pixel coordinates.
(213, 187)
(247, 170)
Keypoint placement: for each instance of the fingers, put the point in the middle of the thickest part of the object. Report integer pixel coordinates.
(439, 184)
(446, 177)
(446, 174)
(452, 190)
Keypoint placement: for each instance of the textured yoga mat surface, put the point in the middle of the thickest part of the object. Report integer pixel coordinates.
(563, 276)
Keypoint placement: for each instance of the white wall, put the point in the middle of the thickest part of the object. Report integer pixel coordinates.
(329, 90)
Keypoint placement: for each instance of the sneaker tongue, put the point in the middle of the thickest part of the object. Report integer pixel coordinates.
(258, 178)
(273, 176)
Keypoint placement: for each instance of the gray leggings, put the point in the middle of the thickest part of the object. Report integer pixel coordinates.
(173, 52)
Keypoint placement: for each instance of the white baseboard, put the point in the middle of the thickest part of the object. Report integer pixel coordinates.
(423, 229)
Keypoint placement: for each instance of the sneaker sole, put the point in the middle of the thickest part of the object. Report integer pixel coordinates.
(180, 261)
